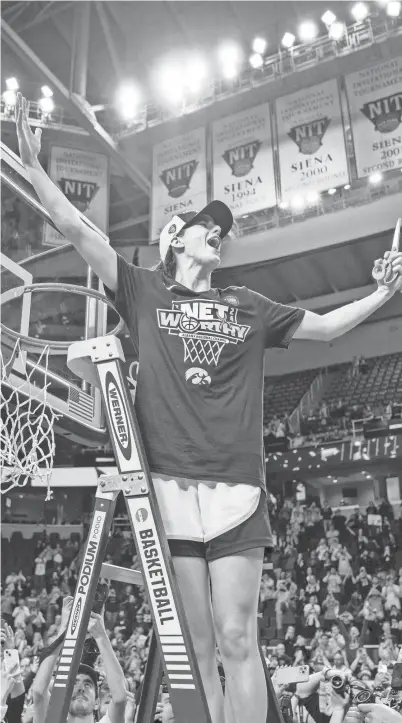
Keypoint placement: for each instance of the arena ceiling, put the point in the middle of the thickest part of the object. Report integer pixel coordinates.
(129, 39)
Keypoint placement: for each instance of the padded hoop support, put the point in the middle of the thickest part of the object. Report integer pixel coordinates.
(82, 355)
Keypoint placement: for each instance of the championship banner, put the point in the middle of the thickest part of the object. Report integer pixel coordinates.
(83, 176)
(311, 140)
(375, 106)
(179, 178)
(243, 165)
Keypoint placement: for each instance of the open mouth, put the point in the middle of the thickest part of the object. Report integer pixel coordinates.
(215, 242)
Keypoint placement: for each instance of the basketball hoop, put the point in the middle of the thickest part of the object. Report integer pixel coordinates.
(27, 420)
(203, 351)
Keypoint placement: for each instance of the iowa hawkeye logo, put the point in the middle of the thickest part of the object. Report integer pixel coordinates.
(178, 178)
(308, 136)
(384, 113)
(241, 158)
(79, 193)
(204, 322)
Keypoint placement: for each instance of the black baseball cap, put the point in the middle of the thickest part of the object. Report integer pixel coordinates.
(217, 210)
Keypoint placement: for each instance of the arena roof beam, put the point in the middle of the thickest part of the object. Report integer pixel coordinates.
(129, 223)
(111, 45)
(75, 105)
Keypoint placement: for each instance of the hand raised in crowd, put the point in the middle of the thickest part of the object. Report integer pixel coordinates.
(65, 613)
(7, 639)
(96, 626)
(29, 143)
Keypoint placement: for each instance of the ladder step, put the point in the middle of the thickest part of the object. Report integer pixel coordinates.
(122, 574)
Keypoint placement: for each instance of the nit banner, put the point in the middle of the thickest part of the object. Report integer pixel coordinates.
(179, 178)
(243, 168)
(375, 104)
(83, 176)
(312, 152)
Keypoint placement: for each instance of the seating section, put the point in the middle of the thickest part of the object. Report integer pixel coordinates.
(380, 381)
(283, 394)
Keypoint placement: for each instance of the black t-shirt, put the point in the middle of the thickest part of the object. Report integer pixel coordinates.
(199, 396)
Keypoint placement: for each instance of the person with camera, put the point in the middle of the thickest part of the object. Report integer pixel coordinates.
(85, 699)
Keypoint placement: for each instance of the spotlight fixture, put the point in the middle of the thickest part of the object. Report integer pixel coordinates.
(331, 191)
(347, 187)
(360, 12)
(376, 178)
(46, 105)
(46, 91)
(288, 40)
(308, 31)
(394, 9)
(259, 45)
(298, 202)
(336, 31)
(127, 100)
(313, 197)
(12, 84)
(256, 60)
(328, 18)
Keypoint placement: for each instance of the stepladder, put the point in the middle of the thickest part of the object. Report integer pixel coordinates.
(99, 361)
(171, 651)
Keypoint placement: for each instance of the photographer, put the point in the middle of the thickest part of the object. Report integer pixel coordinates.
(85, 698)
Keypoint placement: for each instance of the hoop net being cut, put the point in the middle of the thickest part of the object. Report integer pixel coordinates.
(27, 425)
(202, 350)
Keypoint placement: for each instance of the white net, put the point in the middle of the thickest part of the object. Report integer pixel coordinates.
(203, 351)
(27, 424)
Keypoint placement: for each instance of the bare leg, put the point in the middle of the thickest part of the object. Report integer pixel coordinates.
(193, 578)
(235, 590)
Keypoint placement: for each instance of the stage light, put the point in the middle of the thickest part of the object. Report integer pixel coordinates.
(288, 40)
(10, 99)
(336, 31)
(172, 84)
(196, 72)
(127, 100)
(331, 191)
(230, 71)
(313, 197)
(360, 12)
(230, 54)
(347, 187)
(259, 45)
(308, 31)
(46, 91)
(393, 9)
(12, 84)
(256, 60)
(284, 205)
(328, 18)
(47, 106)
(376, 178)
(298, 202)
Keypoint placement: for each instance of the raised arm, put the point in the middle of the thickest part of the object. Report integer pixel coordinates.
(98, 254)
(113, 671)
(41, 683)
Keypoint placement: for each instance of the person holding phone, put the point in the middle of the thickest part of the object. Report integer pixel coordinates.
(85, 700)
(12, 687)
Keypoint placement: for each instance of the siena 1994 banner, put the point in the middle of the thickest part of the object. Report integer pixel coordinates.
(375, 104)
(312, 152)
(179, 178)
(243, 169)
(83, 177)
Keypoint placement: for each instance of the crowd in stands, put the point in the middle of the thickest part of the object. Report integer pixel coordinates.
(331, 595)
(361, 391)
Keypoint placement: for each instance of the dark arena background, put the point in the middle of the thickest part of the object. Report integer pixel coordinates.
(291, 114)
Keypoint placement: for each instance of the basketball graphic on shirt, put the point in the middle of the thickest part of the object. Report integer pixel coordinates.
(189, 324)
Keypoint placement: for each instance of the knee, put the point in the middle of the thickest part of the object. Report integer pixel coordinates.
(237, 642)
(204, 645)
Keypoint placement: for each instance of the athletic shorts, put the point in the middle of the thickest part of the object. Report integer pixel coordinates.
(212, 519)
